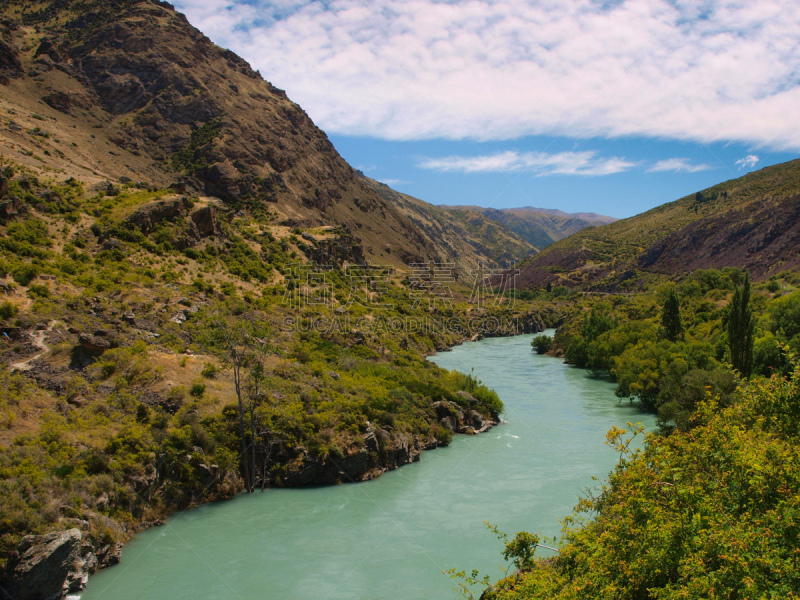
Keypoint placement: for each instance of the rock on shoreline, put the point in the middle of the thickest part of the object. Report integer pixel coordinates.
(383, 450)
(47, 567)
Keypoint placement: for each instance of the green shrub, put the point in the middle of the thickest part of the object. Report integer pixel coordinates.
(198, 389)
(542, 344)
(444, 436)
(7, 311)
(38, 291)
(24, 274)
(177, 394)
(209, 371)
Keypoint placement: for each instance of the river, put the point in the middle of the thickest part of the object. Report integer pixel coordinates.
(391, 538)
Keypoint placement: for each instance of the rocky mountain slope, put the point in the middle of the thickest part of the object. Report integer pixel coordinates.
(539, 227)
(128, 90)
(464, 237)
(752, 223)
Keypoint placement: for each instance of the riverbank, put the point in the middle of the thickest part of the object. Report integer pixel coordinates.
(380, 447)
(90, 540)
(391, 538)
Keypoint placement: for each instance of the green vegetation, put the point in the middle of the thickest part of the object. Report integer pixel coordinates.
(671, 325)
(7, 311)
(161, 408)
(707, 515)
(667, 361)
(146, 419)
(542, 344)
(191, 159)
(708, 507)
(740, 329)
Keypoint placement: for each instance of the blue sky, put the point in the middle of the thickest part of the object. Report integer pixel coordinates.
(608, 107)
(622, 194)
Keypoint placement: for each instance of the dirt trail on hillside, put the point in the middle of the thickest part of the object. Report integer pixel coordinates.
(38, 341)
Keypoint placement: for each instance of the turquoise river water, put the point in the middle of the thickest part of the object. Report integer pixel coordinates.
(391, 538)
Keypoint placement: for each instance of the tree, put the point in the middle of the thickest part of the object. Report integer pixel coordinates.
(671, 325)
(740, 329)
(542, 344)
(261, 441)
(595, 325)
(237, 345)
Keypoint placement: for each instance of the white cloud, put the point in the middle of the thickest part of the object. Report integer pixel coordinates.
(394, 181)
(678, 165)
(541, 163)
(500, 69)
(748, 162)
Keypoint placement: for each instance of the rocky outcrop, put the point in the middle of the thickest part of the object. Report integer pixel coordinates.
(90, 347)
(337, 251)
(531, 323)
(383, 450)
(10, 65)
(67, 101)
(93, 344)
(47, 567)
(11, 207)
(3, 185)
(42, 565)
(204, 221)
(462, 420)
(153, 399)
(148, 216)
(202, 224)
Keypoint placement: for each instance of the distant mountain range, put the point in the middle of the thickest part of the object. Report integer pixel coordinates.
(539, 227)
(466, 236)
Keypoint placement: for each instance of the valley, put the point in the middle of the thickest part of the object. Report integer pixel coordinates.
(223, 345)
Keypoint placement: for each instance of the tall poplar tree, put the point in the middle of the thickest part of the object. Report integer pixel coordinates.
(671, 325)
(740, 329)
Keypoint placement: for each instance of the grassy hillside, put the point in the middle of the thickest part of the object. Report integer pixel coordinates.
(159, 199)
(750, 222)
(121, 402)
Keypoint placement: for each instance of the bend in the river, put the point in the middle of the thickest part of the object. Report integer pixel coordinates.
(391, 538)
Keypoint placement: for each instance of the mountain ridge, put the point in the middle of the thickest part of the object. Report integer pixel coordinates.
(130, 89)
(538, 226)
(751, 222)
